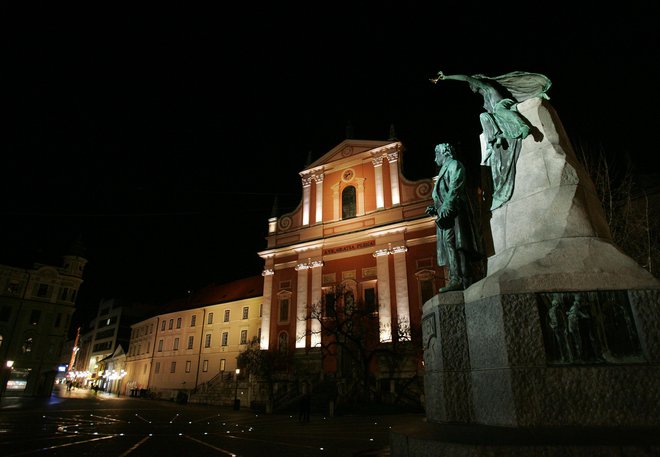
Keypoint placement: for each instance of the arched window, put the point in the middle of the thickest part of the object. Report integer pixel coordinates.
(348, 205)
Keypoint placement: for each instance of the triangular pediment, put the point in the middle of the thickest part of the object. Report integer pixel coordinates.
(349, 149)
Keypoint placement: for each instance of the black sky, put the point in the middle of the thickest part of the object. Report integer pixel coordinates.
(152, 131)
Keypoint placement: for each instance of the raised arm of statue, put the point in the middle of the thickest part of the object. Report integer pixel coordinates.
(503, 126)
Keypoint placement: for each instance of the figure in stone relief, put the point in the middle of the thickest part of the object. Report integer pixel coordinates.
(455, 233)
(574, 315)
(503, 126)
(556, 323)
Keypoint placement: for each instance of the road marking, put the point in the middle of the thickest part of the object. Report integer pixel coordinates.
(58, 446)
(134, 447)
(224, 451)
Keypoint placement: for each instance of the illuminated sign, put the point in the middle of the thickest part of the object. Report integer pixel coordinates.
(349, 247)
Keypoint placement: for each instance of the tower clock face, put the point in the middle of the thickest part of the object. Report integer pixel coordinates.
(348, 175)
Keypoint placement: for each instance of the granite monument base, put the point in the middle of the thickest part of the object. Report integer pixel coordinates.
(545, 373)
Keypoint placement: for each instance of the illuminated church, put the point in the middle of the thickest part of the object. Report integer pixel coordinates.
(360, 233)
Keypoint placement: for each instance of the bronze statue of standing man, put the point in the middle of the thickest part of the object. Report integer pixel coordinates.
(455, 234)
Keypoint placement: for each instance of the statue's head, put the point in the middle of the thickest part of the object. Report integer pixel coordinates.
(445, 149)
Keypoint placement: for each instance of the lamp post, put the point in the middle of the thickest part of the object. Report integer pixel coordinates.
(237, 402)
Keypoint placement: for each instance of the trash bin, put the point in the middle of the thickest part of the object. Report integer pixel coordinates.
(237, 404)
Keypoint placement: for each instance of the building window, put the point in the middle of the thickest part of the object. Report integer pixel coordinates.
(223, 363)
(191, 339)
(178, 322)
(157, 368)
(193, 320)
(226, 315)
(42, 290)
(144, 368)
(205, 366)
(27, 345)
(173, 367)
(58, 319)
(259, 334)
(330, 304)
(35, 315)
(370, 300)
(171, 324)
(207, 341)
(426, 285)
(162, 326)
(284, 309)
(261, 310)
(348, 206)
(225, 337)
(243, 336)
(160, 345)
(13, 288)
(176, 344)
(210, 320)
(188, 364)
(246, 311)
(148, 346)
(64, 293)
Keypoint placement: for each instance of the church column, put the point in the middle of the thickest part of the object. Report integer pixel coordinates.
(319, 197)
(266, 307)
(301, 306)
(393, 158)
(384, 302)
(306, 182)
(378, 170)
(316, 301)
(401, 287)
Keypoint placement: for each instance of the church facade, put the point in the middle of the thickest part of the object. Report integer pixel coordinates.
(359, 237)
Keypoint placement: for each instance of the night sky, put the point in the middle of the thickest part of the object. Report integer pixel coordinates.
(163, 134)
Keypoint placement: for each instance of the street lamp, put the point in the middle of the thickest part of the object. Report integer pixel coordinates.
(237, 402)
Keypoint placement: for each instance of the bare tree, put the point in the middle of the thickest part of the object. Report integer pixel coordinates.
(626, 204)
(264, 365)
(348, 334)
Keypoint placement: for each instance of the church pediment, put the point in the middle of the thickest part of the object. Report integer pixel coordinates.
(353, 149)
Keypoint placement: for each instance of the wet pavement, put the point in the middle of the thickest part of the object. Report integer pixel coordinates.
(84, 423)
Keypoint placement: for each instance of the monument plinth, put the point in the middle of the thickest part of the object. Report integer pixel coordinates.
(557, 350)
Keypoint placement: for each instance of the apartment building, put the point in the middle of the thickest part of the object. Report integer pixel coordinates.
(36, 305)
(195, 339)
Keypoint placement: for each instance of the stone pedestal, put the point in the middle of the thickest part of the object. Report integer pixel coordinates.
(557, 349)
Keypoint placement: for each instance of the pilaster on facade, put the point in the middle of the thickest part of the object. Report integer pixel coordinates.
(266, 311)
(401, 288)
(380, 192)
(384, 302)
(393, 158)
(306, 183)
(318, 178)
(301, 308)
